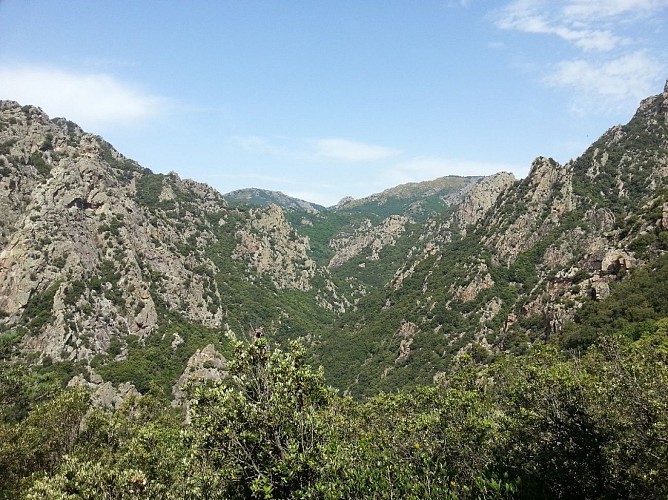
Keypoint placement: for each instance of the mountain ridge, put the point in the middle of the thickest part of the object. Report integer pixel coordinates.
(265, 197)
(116, 272)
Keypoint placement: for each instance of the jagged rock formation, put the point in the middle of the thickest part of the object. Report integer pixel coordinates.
(79, 238)
(481, 198)
(366, 236)
(96, 248)
(100, 257)
(108, 265)
(515, 259)
(544, 196)
(206, 364)
(274, 248)
(104, 394)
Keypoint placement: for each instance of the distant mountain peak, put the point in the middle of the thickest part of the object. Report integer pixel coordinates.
(265, 197)
(415, 199)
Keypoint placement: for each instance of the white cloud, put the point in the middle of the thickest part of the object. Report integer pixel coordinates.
(310, 151)
(533, 16)
(628, 77)
(577, 9)
(352, 151)
(613, 70)
(91, 100)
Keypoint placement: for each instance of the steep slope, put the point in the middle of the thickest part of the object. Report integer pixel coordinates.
(366, 240)
(100, 258)
(548, 243)
(115, 273)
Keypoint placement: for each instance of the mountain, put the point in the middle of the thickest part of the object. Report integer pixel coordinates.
(264, 198)
(550, 242)
(109, 272)
(101, 259)
(416, 199)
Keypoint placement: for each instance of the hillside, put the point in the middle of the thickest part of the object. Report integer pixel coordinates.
(500, 338)
(111, 272)
(114, 273)
(415, 199)
(101, 259)
(546, 244)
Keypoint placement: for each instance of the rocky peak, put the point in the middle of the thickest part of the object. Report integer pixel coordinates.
(80, 248)
(206, 364)
(654, 108)
(482, 198)
(101, 258)
(531, 210)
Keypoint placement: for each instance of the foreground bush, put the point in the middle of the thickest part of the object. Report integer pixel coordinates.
(544, 425)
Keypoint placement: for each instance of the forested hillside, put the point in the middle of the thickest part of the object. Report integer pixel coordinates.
(477, 337)
(546, 424)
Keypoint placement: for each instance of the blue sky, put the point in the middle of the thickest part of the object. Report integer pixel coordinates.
(329, 98)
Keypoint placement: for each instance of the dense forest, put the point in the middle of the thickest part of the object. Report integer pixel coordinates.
(582, 416)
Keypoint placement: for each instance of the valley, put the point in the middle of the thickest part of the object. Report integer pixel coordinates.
(123, 282)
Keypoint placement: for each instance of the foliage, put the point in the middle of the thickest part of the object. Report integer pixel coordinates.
(37, 159)
(6, 146)
(14, 398)
(540, 425)
(149, 187)
(632, 305)
(134, 452)
(155, 362)
(38, 310)
(38, 443)
(260, 436)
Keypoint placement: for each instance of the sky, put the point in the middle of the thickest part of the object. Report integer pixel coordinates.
(331, 98)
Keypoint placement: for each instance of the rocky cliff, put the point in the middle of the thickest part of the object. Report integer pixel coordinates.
(516, 259)
(127, 274)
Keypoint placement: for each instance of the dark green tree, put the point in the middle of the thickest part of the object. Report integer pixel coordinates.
(260, 434)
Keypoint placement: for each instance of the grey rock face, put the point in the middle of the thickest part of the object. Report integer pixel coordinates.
(75, 231)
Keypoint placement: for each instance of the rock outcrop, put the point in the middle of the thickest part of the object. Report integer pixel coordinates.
(273, 248)
(92, 244)
(367, 236)
(481, 198)
(100, 257)
(206, 364)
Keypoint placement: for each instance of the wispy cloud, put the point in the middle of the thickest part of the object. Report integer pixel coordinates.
(314, 150)
(599, 9)
(626, 77)
(352, 151)
(533, 16)
(614, 67)
(92, 100)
